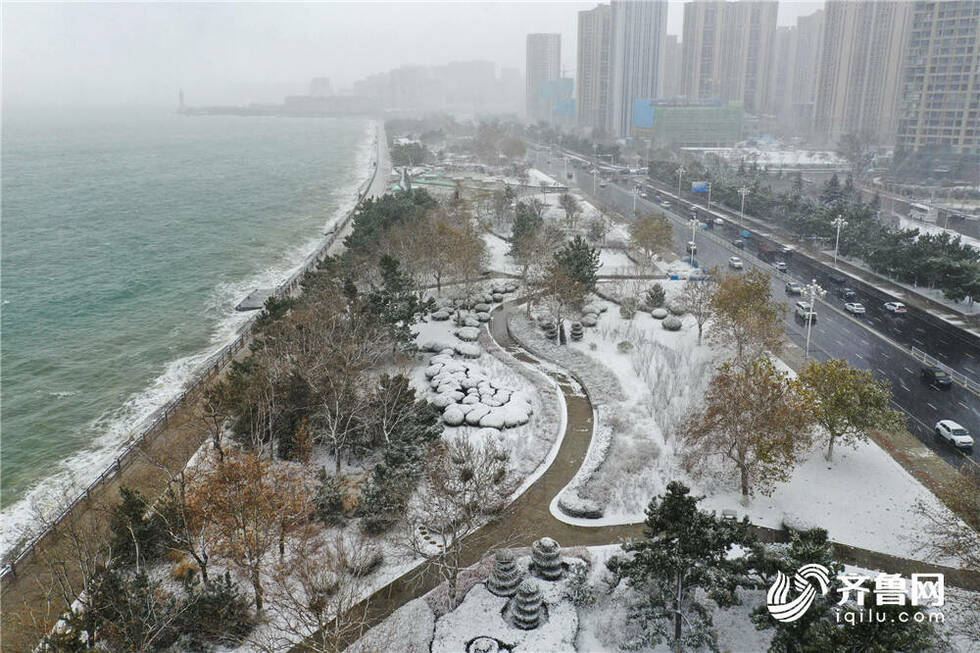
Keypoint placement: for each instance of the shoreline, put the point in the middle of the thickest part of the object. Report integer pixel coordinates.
(145, 410)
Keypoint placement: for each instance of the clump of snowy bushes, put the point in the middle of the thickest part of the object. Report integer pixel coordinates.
(672, 323)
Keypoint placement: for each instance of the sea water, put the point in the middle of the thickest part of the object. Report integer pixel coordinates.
(127, 239)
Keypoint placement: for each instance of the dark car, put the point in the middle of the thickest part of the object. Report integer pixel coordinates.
(838, 279)
(936, 376)
(847, 294)
(738, 242)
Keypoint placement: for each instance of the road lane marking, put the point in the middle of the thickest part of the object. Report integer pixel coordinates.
(908, 370)
(966, 353)
(860, 356)
(931, 406)
(881, 372)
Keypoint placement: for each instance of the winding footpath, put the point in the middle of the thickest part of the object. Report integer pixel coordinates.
(529, 516)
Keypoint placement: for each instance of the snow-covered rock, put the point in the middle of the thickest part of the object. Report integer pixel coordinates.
(476, 414)
(672, 323)
(482, 317)
(440, 316)
(659, 313)
(453, 415)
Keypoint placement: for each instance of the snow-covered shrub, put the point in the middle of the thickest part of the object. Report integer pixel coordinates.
(573, 505)
(676, 307)
(624, 347)
(593, 346)
(659, 313)
(546, 559)
(672, 323)
(365, 560)
(655, 296)
(628, 307)
(328, 502)
(578, 589)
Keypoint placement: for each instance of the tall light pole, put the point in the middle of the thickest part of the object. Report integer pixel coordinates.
(709, 196)
(839, 222)
(595, 167)
(680, 175)
(813, 291)
(694, 222)
(743, 191)
(636, 193)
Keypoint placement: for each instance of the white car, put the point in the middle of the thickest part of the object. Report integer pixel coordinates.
(857, 308)
(954, 434)
(895, 307)
(665, 204)
(780, 265)
(735, 262)
(805, 312)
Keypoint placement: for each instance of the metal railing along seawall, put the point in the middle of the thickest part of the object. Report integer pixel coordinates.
(206, 372)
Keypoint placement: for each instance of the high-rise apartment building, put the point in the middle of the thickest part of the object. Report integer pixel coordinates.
(639, 30)
(809, 45)
(592, 78)
(728, 51)
(860, 68)
(781, 84)
(940, 101)
(672, 67)
(543, 64)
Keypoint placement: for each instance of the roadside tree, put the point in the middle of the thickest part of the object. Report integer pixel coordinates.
(849, 402)
(746, 317)
(755, 418)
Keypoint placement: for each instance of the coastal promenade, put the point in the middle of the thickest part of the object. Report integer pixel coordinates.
(52, 569)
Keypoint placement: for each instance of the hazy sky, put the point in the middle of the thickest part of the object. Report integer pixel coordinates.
(141, 53)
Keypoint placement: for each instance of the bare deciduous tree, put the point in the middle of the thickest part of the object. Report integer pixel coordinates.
(698, 299)
(465, 483)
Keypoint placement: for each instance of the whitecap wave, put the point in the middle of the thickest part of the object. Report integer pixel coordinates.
(117, 427)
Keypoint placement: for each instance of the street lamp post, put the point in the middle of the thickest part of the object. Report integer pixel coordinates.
(694, 222)
(680, 175)
(636, 193)
(709, 196)
(839, 222)
(743, 191)
(595, 167)
(813, 291)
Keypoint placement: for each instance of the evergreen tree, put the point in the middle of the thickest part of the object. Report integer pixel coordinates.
(527, 223)
(395, 302)
(832, 193)
(135, 538)
(685, 552)
(579, 261)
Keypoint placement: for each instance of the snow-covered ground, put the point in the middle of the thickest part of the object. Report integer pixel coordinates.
(663, 375)
(598, 623)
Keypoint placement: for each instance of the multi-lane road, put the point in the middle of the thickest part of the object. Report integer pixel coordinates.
(877, 341)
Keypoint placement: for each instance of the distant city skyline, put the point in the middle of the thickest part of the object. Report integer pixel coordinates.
(141, 54)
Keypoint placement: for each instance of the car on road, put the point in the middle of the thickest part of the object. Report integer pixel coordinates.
(838, 279)
(780, 265)
(602, 183)
(805, 312)
(665, 204)
(735, 263)
(691, 248)
(569, 175)
(847, 294)
(936, 376)
(793, 288)
(954, 434)
(644, 194)
(738, 242)
(895, 307)
(856, 308)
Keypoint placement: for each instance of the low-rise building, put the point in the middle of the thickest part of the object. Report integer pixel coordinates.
(699, 123)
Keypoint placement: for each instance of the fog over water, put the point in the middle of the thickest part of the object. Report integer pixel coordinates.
(141, 53)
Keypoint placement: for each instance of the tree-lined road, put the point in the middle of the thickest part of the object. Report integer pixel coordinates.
(835, 334)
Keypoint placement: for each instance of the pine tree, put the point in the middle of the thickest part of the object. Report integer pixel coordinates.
(685, 551)
(579, 261)
(395, 302)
